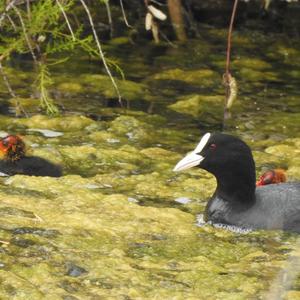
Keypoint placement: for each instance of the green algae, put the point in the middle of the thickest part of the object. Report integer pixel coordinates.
(113, 217)
(201, 77)
(130, 90)
(251, 63)
(125, 248)
(205, 107)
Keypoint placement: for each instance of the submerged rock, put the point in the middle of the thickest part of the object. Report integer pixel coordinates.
(65, 123)
(74, 270)
(201, 77)
(200, 106)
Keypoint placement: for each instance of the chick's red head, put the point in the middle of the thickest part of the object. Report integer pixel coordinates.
(12, 147)
(272, 176)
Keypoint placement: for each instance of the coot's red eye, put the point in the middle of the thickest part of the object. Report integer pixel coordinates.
(212, 146)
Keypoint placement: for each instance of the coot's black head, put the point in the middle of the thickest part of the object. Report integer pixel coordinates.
(216, 152)
(228, 158)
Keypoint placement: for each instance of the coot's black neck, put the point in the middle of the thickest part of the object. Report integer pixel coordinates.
(237, 185)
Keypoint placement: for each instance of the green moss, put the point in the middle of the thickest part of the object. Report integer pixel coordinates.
(201, 77)
(250, 74)
(251, 63)
(66, 123)
(118, 216)
(102, 84)
(200, 106)
(70, 87)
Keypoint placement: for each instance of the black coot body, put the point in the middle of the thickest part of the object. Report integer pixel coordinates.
(237, 201)
(30, 165)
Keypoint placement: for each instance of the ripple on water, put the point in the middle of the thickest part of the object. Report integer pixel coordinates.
(241, 230)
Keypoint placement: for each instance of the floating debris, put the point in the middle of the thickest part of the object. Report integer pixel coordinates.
(183, 200)
(47, 132)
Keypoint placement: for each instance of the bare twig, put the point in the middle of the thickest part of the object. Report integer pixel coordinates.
(38, 218)
(4, 242)
(28, 9)
(66, 18)
(7, 8)
(227, 76)
(101, 52)
(167, 40)
(12, 23)
(158, 3)
(25, 34)
(229, 38)
(6, 81)
(124, 14)
(110, 21)
(19, 107)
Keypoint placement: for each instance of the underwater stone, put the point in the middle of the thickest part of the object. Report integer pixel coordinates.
(23, 243)
(74, 270)
(36, 231)
(200, 77)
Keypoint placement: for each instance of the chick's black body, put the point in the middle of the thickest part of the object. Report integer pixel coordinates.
(237, 201)
(30, 165)
(15, 161)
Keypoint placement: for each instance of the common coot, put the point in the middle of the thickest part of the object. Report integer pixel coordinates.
(236, 200)
(14, 160)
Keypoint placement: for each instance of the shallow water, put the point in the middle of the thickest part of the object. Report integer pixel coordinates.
(120, 224)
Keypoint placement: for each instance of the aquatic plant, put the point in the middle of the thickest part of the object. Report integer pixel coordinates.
(45, 30)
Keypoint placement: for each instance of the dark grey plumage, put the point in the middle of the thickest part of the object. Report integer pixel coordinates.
(276, 206)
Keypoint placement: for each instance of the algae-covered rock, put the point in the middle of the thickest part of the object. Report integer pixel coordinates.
(293, 172)
(282, 51)
(104, 136)
(292, 295)
(283, 151)
(199, 105)
(130, 127)
(263, 159)
(50, 153)
(102, 84)
(70, 87)
(251, 63)
(65, 123)
(202, 77)
(159, 153)
(251, 74)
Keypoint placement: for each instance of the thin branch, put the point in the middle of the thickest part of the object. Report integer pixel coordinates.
(12, 23)
(167, 40)
(110, 21)
(6, 81)
(66, 18)
(158, 3)
(229, 37)
(227, 78)
(19, 107)
(7, 8)
(25, 34)
(101, 52)
(28, 9)
(124, 14)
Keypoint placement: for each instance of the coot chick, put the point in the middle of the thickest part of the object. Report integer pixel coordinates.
(272, 176)
(236, 200)
(14, 160)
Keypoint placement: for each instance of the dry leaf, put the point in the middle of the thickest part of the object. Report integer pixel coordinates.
(158, 14)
